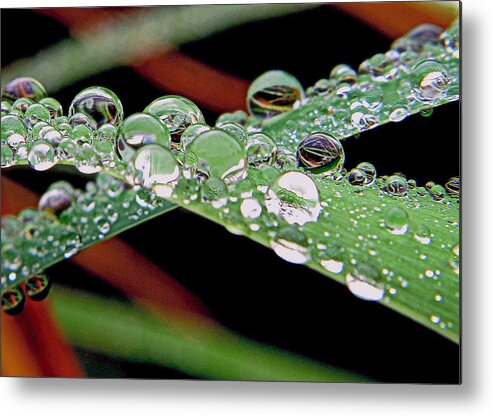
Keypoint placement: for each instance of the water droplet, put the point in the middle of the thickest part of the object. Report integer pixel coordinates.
(320, 153)
(273, 93)
(87, 161)
(38, 287)
(99, 104)
(343, 74)
(422, 234)
(139, 130)
(24, 88)
(291, 245)
(215, 192)
(7, 156)
(396, 185)
(453, 186)
(13, 300)
(12, 124)
(418, 37)
(176, 113)
(53, 106)
(437, 192)
(430, 80)
(42, 155)
(57, 198)
(356, 177)
(294, 197)
(191, 133)
(366, 283)
(155, 168)
(397, 221)
(216, 153)
(261, 149)
(250, 208)
(36, 113)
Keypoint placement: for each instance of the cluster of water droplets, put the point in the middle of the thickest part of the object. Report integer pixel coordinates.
(258, 180)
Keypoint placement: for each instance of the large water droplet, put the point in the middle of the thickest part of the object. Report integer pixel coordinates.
(176, 113)
(155, 168)
(217, 153)
(397, 221)
(99, 104)
(291, 244)
(42, 155)
(396, 185)
(273, 93)
(320, 153)
(294, 197)
(38, 287)
(430, 80)
(421, 35)
(139, 130)
(261, 149)
(13, 300)
(24, 88)
(366, 283)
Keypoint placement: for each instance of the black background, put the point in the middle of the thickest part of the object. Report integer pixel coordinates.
(245, 286)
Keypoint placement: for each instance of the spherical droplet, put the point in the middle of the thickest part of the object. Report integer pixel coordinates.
(176, 113)
(215, 192)
(421, 35)
(99, 104)
(366, 283)
(453, 186)
(42, 155)
(294, 197)
(261, 149)
(12, 124)
(191, 133)
(56, 199)
(53, 106)
(291, 245)
(320, 153)
(87, 160)
(217, 153)
(430, 80)
(24, 88)
(343, 74)
(396, 185)
(422, 234)
(273, 93)
(36, 113)
(13, 300)
(155, 168)
(250, 208)
(139, 130)
(7, 156)
(38, 287)
(356, 177)
(397, 221)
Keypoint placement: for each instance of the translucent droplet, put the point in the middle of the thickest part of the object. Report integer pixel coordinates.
(24, 88)
(57, 198)
(357, 177)
(421, 35)
(38, 287)
(397, 221)
(285, 159)
(42, 155)
(430, 80)
(13, 300)
(12, 124)
(293, 196)
(99, 104)
(291, 245)
(261, 149)
(320, 153)
(238, 117)
(36, 113)
(215, 192)
(453, 186)
(450, 39)
(422, 234)
(370, 172)
(396, 185)
(250, 208)
(7, 156)
(331, 258)
(87, 161)
(343, 74)
(155, 168)
(219, 154)
(273, 93)
(53, 106)
(191, 133)
(176, 113)
(139, 130)
(437, 192)
(366, 283)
